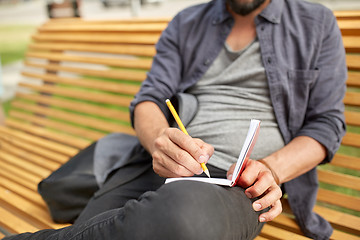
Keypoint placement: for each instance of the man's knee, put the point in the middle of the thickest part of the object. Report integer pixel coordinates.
(182, 210)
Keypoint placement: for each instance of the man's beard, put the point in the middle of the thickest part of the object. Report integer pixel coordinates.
(244, 8)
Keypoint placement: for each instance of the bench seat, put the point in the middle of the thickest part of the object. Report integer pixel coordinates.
(79, 77)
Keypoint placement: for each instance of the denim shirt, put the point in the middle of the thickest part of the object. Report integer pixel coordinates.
(304, 60)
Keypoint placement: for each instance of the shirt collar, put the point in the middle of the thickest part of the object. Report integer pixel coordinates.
(221, 13)
(272, 12)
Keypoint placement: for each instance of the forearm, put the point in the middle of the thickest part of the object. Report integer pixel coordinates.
(149, 123)
(296, 158)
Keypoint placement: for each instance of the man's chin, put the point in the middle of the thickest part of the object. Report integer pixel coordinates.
(244, 7)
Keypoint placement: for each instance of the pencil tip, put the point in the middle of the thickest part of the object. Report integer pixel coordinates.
(207, 173)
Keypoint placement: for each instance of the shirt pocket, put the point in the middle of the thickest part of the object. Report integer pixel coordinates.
(300, 84)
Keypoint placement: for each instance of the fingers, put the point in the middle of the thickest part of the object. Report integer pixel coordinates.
(174, 154)
(271, 195)
(274, 211)
(230, 172)
(259, 182)
(170, 169)
(197, 148)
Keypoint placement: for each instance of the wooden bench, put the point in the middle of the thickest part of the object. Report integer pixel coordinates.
(79, 79)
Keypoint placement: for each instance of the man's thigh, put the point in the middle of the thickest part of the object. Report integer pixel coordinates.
(179, 210)
(191, 210)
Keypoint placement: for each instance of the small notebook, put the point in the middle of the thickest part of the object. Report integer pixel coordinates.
(245, 152)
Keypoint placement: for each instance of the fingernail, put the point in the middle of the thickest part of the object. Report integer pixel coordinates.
(257, 206)
(203, 158)
(262, 219)
(229, 176)
(248, 194)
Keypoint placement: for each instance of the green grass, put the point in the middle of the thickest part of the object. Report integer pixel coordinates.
(13, 44)
(13, 41)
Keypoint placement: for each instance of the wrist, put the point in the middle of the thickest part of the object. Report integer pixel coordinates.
(274, 174)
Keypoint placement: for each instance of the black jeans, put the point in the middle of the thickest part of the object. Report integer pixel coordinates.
(180, 210)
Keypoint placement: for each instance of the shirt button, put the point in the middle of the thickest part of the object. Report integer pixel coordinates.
(269, 60)
(262, 28)
(207, 62)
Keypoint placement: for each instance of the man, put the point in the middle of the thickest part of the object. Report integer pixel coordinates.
(279, 61)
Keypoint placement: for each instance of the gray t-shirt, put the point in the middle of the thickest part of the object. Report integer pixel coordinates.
(233, 91)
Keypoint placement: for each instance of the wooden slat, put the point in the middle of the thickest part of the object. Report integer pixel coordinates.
(352, 44)
(118, 27)
(347, 14)
(342, 160)
(23, 182)
(339, 235)
(31, 157)
(339, 220)
(34, 214)
(339, 179)
(272, 232)
(35, 149)
(87, 83)
(132, 75)
(351, 139)
(42, 132)
(260, 238)
(284, 221)
(339, 199)
(110, 61)
(352, 98)
(65, 128)
(132, 38)
(60, 148)
(81, 107)
(81, 94)
(126, 49)
(352, 118)
(20, 173)
(353, 79)
(353, 61)
(29, 195)
(144, 20)
(14, 223)
(349, 27)
(83, 121)
(23, 164)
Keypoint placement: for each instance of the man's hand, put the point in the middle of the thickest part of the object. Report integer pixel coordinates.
(176, 154)
(258, 181)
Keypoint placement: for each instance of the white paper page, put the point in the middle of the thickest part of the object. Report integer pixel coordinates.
(244, 150)
(218, 181)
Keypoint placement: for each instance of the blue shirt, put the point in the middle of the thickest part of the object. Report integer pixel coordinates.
(304, 60)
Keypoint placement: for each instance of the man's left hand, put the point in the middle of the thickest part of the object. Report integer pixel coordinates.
(258, 181)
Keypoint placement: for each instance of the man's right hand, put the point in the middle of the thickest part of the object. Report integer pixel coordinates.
(176, 154)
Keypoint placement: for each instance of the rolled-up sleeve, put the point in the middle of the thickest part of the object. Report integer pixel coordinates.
(324, 120)
(163, 79)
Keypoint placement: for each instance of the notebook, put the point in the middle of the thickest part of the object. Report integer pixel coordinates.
(245, 152)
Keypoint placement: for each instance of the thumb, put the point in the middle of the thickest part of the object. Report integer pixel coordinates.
(230, 172)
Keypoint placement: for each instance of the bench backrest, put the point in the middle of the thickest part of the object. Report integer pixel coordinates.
(81, 76)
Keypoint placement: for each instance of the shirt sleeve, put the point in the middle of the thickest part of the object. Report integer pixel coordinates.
(163, 79)
(324, 119)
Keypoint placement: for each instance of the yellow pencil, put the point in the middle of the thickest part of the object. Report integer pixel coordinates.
(181, 126)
